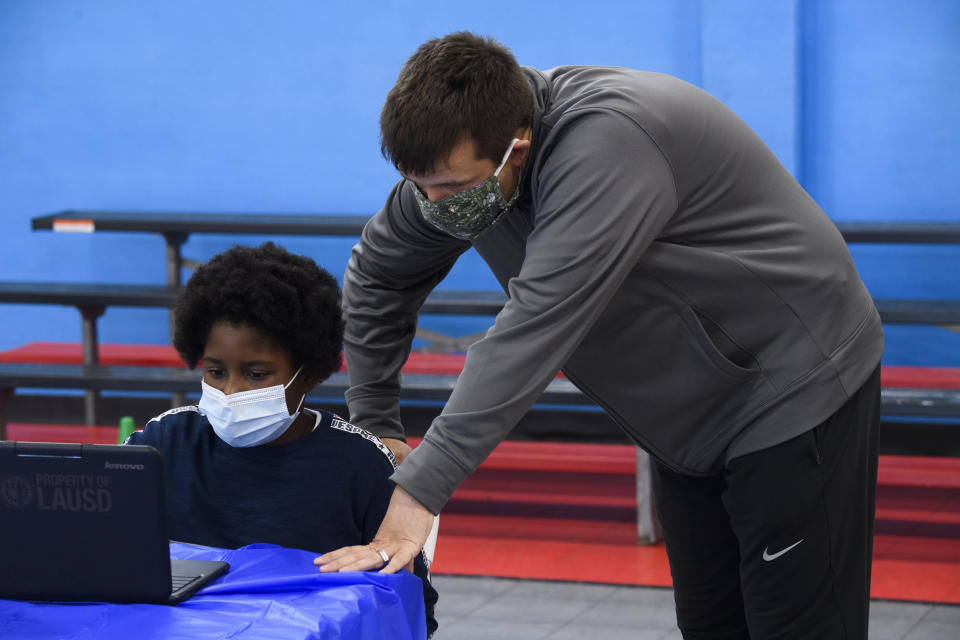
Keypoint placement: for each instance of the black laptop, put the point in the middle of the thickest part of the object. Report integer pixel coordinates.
(87, 522)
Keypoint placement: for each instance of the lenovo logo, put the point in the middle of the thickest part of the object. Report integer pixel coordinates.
(123, 467)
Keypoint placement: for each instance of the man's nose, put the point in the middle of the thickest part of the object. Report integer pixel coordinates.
(433, 194)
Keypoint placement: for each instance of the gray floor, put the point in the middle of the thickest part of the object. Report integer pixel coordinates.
(495, 608)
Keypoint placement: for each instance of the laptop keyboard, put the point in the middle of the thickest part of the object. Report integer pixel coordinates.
(189, 575)
(179, 582)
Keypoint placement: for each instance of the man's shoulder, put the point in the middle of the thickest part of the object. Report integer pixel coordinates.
(645, 98)
(598, 76)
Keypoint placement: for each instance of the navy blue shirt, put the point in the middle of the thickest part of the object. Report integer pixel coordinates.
(324, 491)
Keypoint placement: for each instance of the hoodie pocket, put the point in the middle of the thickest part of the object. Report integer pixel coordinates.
(718, 347)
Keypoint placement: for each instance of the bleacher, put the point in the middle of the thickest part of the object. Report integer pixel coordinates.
(521, 470)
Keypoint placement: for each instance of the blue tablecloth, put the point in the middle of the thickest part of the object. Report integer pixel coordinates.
(269, 592)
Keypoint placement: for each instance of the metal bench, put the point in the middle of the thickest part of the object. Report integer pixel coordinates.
(176, 227)
(416, 386)
(92, 300)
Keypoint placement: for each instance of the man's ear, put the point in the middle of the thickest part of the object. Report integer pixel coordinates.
(520, 152)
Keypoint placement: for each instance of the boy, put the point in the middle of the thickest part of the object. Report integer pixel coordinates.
(250, 463)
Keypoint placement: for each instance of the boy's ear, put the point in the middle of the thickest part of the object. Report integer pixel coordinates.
(310, 382)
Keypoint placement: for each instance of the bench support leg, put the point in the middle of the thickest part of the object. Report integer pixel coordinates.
(175, 263)
(91, 356)
(648, 525)
(178, 399)
(5, 395)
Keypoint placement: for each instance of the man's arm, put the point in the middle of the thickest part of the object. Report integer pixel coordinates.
(605, 195)
(400, 258)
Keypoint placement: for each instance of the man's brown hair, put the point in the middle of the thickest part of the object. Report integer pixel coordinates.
(452, 88)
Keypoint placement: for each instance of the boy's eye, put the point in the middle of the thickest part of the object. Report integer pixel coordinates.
(214, 372)
(258, 375)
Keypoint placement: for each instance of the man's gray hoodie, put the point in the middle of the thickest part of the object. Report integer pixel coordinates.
(659, 254)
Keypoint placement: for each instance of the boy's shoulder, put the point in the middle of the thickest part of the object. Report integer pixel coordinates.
(185, 414)
(357, 438)
(176, 425)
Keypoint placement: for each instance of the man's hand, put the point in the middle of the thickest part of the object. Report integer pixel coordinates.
(399, 448)
(401, 536)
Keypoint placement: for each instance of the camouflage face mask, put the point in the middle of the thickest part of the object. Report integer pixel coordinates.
(468, 214)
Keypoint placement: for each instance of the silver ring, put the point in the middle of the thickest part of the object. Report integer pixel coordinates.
(383, 556)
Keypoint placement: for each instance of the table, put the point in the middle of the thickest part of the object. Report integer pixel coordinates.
(269, 592)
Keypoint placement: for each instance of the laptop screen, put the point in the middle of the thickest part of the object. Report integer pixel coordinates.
(83, 522)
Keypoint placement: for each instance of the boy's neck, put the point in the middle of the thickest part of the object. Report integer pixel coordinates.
(301, 427)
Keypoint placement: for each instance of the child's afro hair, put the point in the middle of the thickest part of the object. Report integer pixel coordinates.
(287, 297)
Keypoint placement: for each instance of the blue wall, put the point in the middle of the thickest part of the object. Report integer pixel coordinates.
(272, 107)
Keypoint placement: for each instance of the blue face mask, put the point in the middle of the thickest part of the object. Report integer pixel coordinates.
(469, 213)
(249, 418)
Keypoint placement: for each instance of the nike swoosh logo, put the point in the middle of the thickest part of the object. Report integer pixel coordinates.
(773, 556)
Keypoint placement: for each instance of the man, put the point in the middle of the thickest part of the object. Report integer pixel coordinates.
(653, 248)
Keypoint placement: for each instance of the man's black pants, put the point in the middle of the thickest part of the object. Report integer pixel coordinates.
(780, 545)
